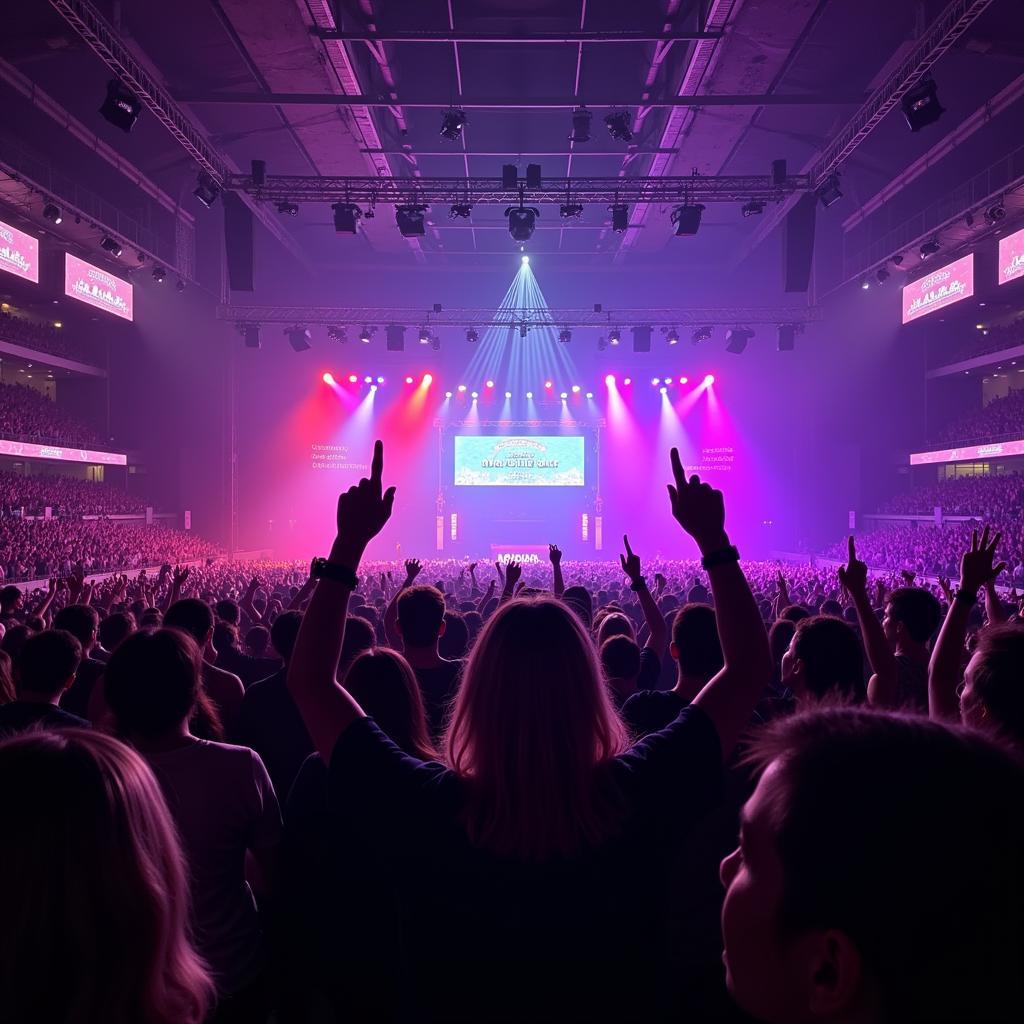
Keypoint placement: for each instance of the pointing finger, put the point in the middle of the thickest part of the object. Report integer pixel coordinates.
(625, 543)
(377, 465)
(677, 469)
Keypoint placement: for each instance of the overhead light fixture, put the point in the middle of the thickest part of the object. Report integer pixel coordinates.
(929, 248)
(672, 336)
(206, 190)
(471, 336)
(614, 337)
(921, 105)
(410, 220)
(865, 284)
(346, 218)
(452, 123)
(298, 338)
(121, 107)
(251, 334)
(460, 211)
(111, 245)
(753, 208)
(994, 214)
(523, 330)
(702, 334)
(686, 218)
(140, 256)
(882, 275)
(366, 334)
(581, 118)
(52, 213)
(619, 127)
(736, 339)
(565, 335)
(828, 191)
(620, 217)
(424, 336)
(180, 286)
(435, 342)
(570, 211)
(898, 260)
(338, 334)
(787, 337)
(521, 221)
(288, 209)
(159, 273)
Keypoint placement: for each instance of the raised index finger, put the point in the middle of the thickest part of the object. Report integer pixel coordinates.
(677, 470)
(625, 542)
(377, 465)
(852, 548)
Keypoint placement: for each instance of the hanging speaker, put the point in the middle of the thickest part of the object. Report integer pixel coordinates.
(798, 244)
(238, 242)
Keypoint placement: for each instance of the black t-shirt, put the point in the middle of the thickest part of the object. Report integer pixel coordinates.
(20, 715)
(650, 670)
(438, 686)
(912, 684)
(650, 710)
(249, 669)
(76, 696)
(492, 939)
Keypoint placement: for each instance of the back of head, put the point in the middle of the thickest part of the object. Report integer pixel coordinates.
(455, 641)
(47, 662)
(779, 637)
(697, 645)
(82, 621)
(794, 613)
(101, 887)
(420, 614)
(14, 639)
(833, 660)
(918, 610)
(580, 601)
(228, 611)
(386, 689)
(620, 658)
(614, 624)
(191, 616)
(115, 629)
(9, 597)
(285, 631)
(994, 695)
(532, 721)
(257, 638)
(831, 607)
(152, 680)
(907, 836)
(225, 635)
(359, 637)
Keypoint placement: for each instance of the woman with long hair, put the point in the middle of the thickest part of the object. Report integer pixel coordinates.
(94, 922)
(533, 870)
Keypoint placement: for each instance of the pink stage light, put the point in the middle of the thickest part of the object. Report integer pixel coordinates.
(475, 395)
(610, 379)
(548, 384)
(447, 394)
(367, 380)
(628, 381)
(655, 381)
(709, 380)
(428, 379)
(576, 389)
(462, 388)
(380, 380)
(490, 383)
(663, 390)
(408, 380)
(683, 380)
(353, 379)
(328, 378)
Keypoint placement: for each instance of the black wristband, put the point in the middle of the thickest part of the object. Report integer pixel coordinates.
(721, 557)
(965, 596)
(637, 584)
(324, 570)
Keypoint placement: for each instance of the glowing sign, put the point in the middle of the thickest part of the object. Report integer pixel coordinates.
(97, 287)
(939, 289)
(19, 253)
(492, 461)
(969, 453)
(1011, 257)
(23, 450)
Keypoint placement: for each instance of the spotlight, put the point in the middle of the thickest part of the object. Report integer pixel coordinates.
(655, 381)
(435, 342)
(373, 387)
(664, 391)
(570, 211)
(447, 394)
(424, 336)
(565, 335)
(672, 336)
(298, 338)
(206, 190)
(452, 123)
(521, 222)
(609, 379)
(462, 387)
(994, 214)
(576, 389)
(683, 380)
(288, 209)
(328, 378)
(565, 395)
(159, 273)
(929, 248)
(428, 379)
(380, 380)
(353, 379)
(367, 380)
(614, 336)
(628, 381)
(529, 394)
(251, 334)
(508, 394)
(525, 261)
(736, 339)
(828, 191)
(709, 380)
(338, 334)
(581, 118)
(490, 384)
(687, 219)
(111, 245)
(460, 211)
(754, 208)
(882, 275)
(410, 220)
(921, 105)
(52, 213)
(408, 380)
(590, 394)
(365, 334)
(121, 107)
(620, 217)
(548, 384)
(522, 330)
(471, 336)
(346, 218)
(865, 284)
(474, 395)
(618, 125)
(180, 286)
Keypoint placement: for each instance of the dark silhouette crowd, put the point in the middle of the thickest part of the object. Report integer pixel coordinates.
(44, 337)
(1002, 419)
(26, 414)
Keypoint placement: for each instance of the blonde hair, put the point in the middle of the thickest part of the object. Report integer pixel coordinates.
(531, 725)
(94, 926)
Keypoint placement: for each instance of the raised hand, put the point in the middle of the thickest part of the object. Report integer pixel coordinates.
(947, 590)
(908, 577)
(554, 554)
(976, 568)
(630, 562)
(364, 509)
(501, 572)
(180, 576)
(413, 567)
(854, 576)
(513, 574)
(698, 508)
(472, 568)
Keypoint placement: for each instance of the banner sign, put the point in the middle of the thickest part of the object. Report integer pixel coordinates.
(97, 287)
(19, 253)
(23, 450)
(969, 454)
(1011, 257)
(939, 289)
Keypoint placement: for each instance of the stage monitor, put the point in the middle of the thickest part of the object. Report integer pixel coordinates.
(939, 289)
(503, 461)
(19, 253)
(1011, 257)
(96, 287)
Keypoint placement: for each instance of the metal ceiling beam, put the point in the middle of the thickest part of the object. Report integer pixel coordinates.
(591, 36)
(511, 155)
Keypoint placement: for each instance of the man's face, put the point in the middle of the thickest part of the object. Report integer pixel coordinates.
(889, 625)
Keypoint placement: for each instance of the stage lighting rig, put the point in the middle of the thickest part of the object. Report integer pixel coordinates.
(287, 209)
(51, 212)
(410, 220)
(753, 208)
(521, 221)
(686, 219)
(159, 273)
(620, 217)
(882, 275)
(614, 337)
(570, 211)
(581, 118)
(618, 125)
(111, 245)
(565, 335)
(366, 334)
(471, 336)
(206, 190)
(179, 286)
(929, 248)
(460, 211)
(121, 107)
(452, 123)
(787, 336)
(601, 343)
(338, 334)
(346, 218)
(298, 338)
(736, 339)
(424, 336)
(435, 342)
(865, 284)
(702, 334)
(993, 215)
(828, 191)
(921, 105)
(671, 335)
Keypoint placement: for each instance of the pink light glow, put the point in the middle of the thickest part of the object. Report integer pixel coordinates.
(490, 383)
(353, 379)
(628, 381)
(328, 378)
(548, 384)
(428, 379)
(408, 380)
(683, 380)
(19, 253)
(709, 380)
(610, 379)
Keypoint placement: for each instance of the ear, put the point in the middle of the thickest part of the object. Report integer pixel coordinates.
(444, 626)
(837, 981)
(673, 649)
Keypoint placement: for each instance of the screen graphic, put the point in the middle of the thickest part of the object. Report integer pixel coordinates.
(23, 450)
(1011, 257)
(519, 461)
(969, 453)
(939, 289)
(97, 287)
(19, 253)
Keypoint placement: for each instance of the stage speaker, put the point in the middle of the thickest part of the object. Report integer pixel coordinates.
(238, 242)
(779, 173)
(798, 244)
(533, 176)
(259, 173)
(509, 176)
(642, 338)
(395, 338)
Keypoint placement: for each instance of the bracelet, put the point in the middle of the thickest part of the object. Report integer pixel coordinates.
(324, 570)
(721, 557)
(965, 596)
(637, 584)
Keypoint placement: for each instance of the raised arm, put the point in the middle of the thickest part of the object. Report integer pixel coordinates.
(945, 669)
(556, 567)
(513, 573)
(412, 569)
(730, 697)
(657, 641)
(326, 707)
(44, 605)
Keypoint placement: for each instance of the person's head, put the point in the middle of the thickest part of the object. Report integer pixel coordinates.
(695, 643)
(878, 875)
(257, 640)
(830, 606)
(228, 611)
(420, 616)
(191, 616)
(82, 621)
(225, 636)
(824, 659)
(284, 631)
(359, 636)
(474, 620)
(794, 613)
(115, 629)
(454, 641)
(7, 692)
(580, 601)
(912, 616)
(385, 687)
(11, 599)
(96, 927)
(531, 721)
(779, 637)
(152, 681)
(614, 624)
(620, 657)
(14, 639)
(992, 697)
(47, 663)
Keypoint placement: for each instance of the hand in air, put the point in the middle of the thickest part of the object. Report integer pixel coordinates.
(413, 567)
(472, 568)
(364, 509)
(630, 562)
(698, 508)
(554, 554)
(854, 576)
(513, 574)
(976, 568)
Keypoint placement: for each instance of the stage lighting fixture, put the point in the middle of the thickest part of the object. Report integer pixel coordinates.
(609, 379)
(548, 384)
(373, 387)
(565, 335)
(828, 191)
(408, 380)
(509, 176)
(576, 389)
(683, 380)
(365, 335)
(159, 273)
(565, 395)
(882, 275)
(410, 220)
(380, 380)
(447, 394)
(570, 211)
(111, 245)
(921, 105)
(898, 260)
(52, 213)
(474, 395)
(490, 383)
(590, 394)
(428, 379)
(655, 381)
(508, 394)
(424, 336)
(346, 218)
(367, 380)
(523, 330)
(288, 209)
(471, 336)
(709, 380)
(338, 334)
(581, 118)
(619, 127)
(353, 379)
(865, 284)
(452, 123)
(459, 211)
(754, 208)
(529, 394)
(140, 256)
(328, 378)
(525, 261)
(642, 338)
(521, 221)
(787, 337)
(121, 107)
(627, 381)
(664, 391)
(462, 387)
(601, 343)
(994, 214)
(614, 336)
(251, 334)
(435, 342)
(298, 338)
(736, 339)
(929, 248)
(672, 336)
(620, 217)
(180, 286)
(686, 218)
(206, 190)
(533, 176)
